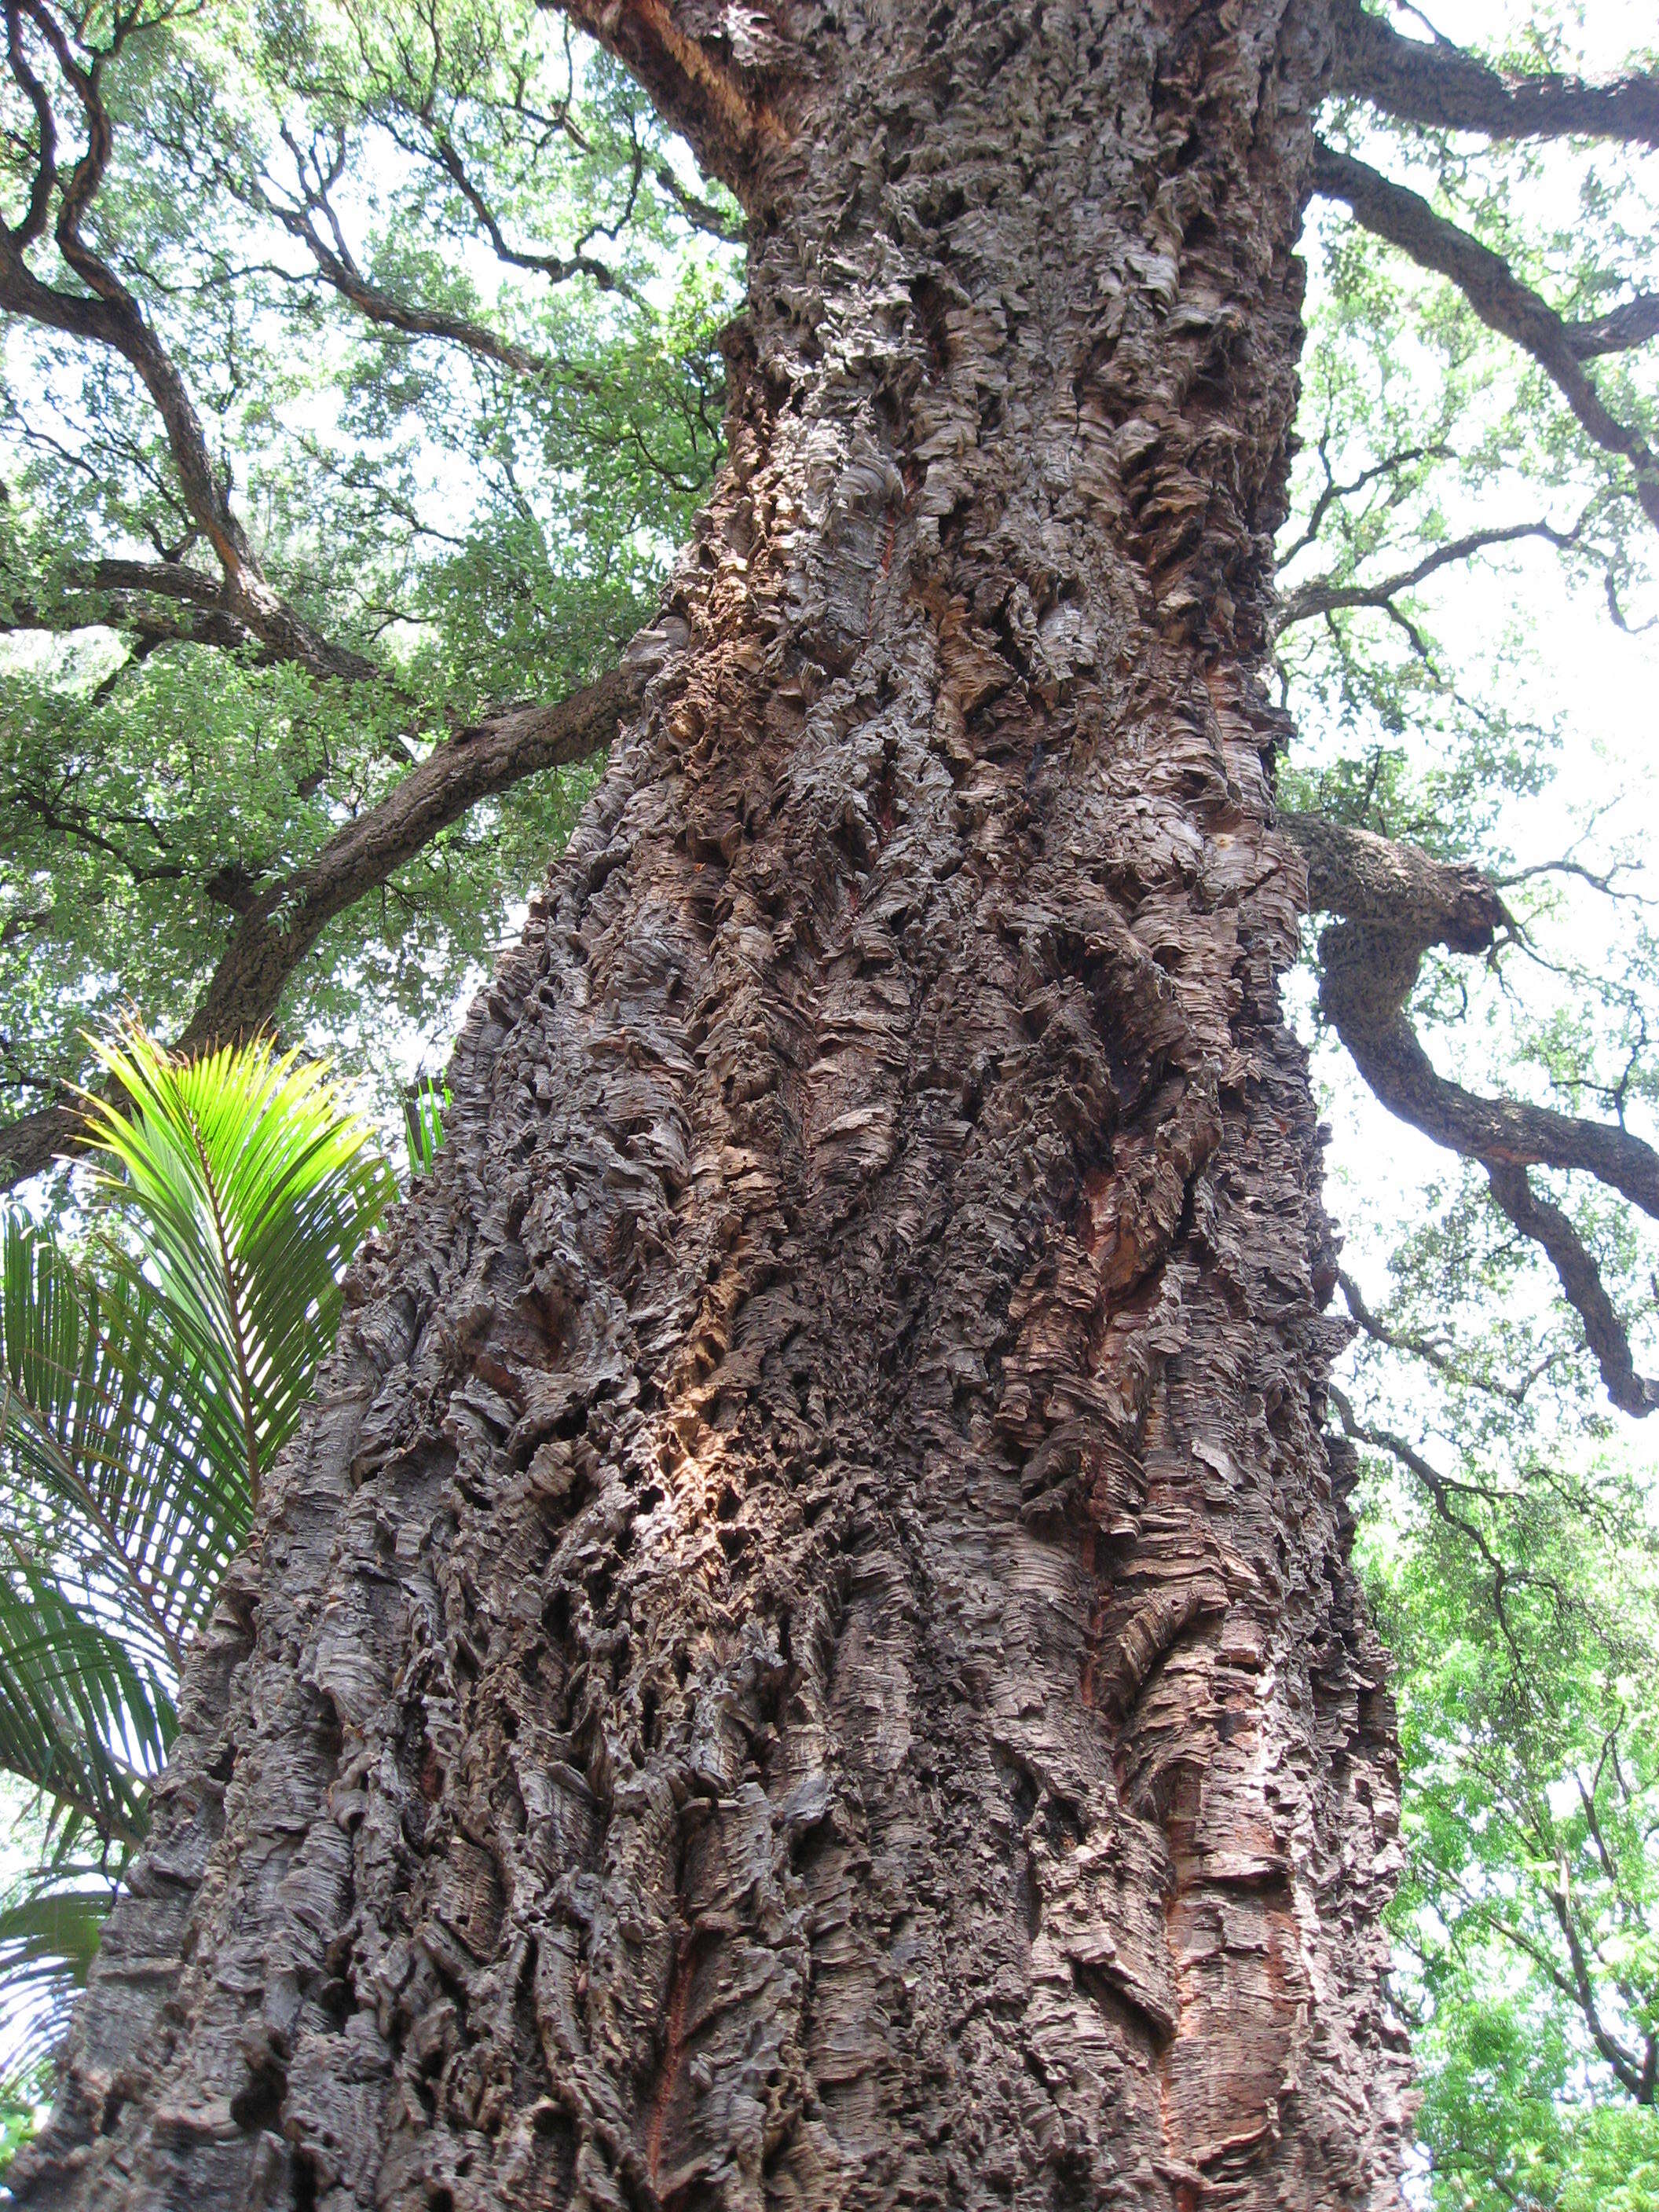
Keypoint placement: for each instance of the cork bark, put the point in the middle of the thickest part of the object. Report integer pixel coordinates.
(805, 1654)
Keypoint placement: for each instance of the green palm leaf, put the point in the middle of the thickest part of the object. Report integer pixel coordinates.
(142, 1400)
(48, 1939)
(114, 1529)
(79, 1716)
(105, 1424)
(246, 1189)
(424, 1108)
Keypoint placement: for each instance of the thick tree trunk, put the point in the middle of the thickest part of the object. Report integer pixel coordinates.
(806, 1656)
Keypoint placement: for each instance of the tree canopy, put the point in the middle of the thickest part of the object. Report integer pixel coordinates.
(368, 384)
(363, 375)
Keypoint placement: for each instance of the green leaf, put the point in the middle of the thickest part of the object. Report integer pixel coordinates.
(423, 1123)
(114, 1529)
(247, 1189)
(48, 1939)
(106, 1424)
(141, 1399)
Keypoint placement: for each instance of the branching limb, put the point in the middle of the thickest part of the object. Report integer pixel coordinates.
(1496, 294)
(1618, 330)
(1580, 1279)
(1598, 879)
(1427, 1349)
(1324, 596)
(122, 595)
(1331, 491)
(70, 822)
(1393, 903)
(702, 215)
(1444, 89)
(108, 314)
(1635, 2074)
(558, 269)
(379, 307)
(312, 213)
(1442, 1497)
(278, 926)
(1500, 1133)
(145, 626)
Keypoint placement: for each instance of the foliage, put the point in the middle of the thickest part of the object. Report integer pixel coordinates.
(424, 1108)
(1529, 1912)
(246, 1189)
(148, 1382)
(478, 517)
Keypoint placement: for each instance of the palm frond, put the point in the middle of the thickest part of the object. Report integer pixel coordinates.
(105, 1421)
(114, 1531)
(81, 1718)
(48, 1939)
(247, 1187)
(136, 1415)
(142, 1400)
(424, 1108)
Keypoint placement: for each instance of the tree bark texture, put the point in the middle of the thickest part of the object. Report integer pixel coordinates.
(806, 1655)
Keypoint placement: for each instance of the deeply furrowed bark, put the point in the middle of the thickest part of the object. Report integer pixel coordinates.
(806, 1655)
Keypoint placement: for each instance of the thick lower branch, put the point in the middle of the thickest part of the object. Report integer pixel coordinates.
(1618, 329)
(1499, 1133)
(120, 595)
(1580, 1279)
(1503, 302)
(1365, 878)
(1394, 902)
(1438, 84)
(279, 928)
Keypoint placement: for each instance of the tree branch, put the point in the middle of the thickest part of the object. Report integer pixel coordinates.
(1498, 296)
(79, 830)
(379, 307)
(1425, 1348)
(1577, 1992)
(1632, 324)
(718, 91)
(1580, 1279)
(108, 314)
(1367, 878)
(557, 268)
(1444, 89)
(702, 215)
(1393, 901)
(338, 267)
(1332, 491)
(279, 927)
(1322, 596)
(147, 627)
(1441, 1493)
(1617, 2057)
